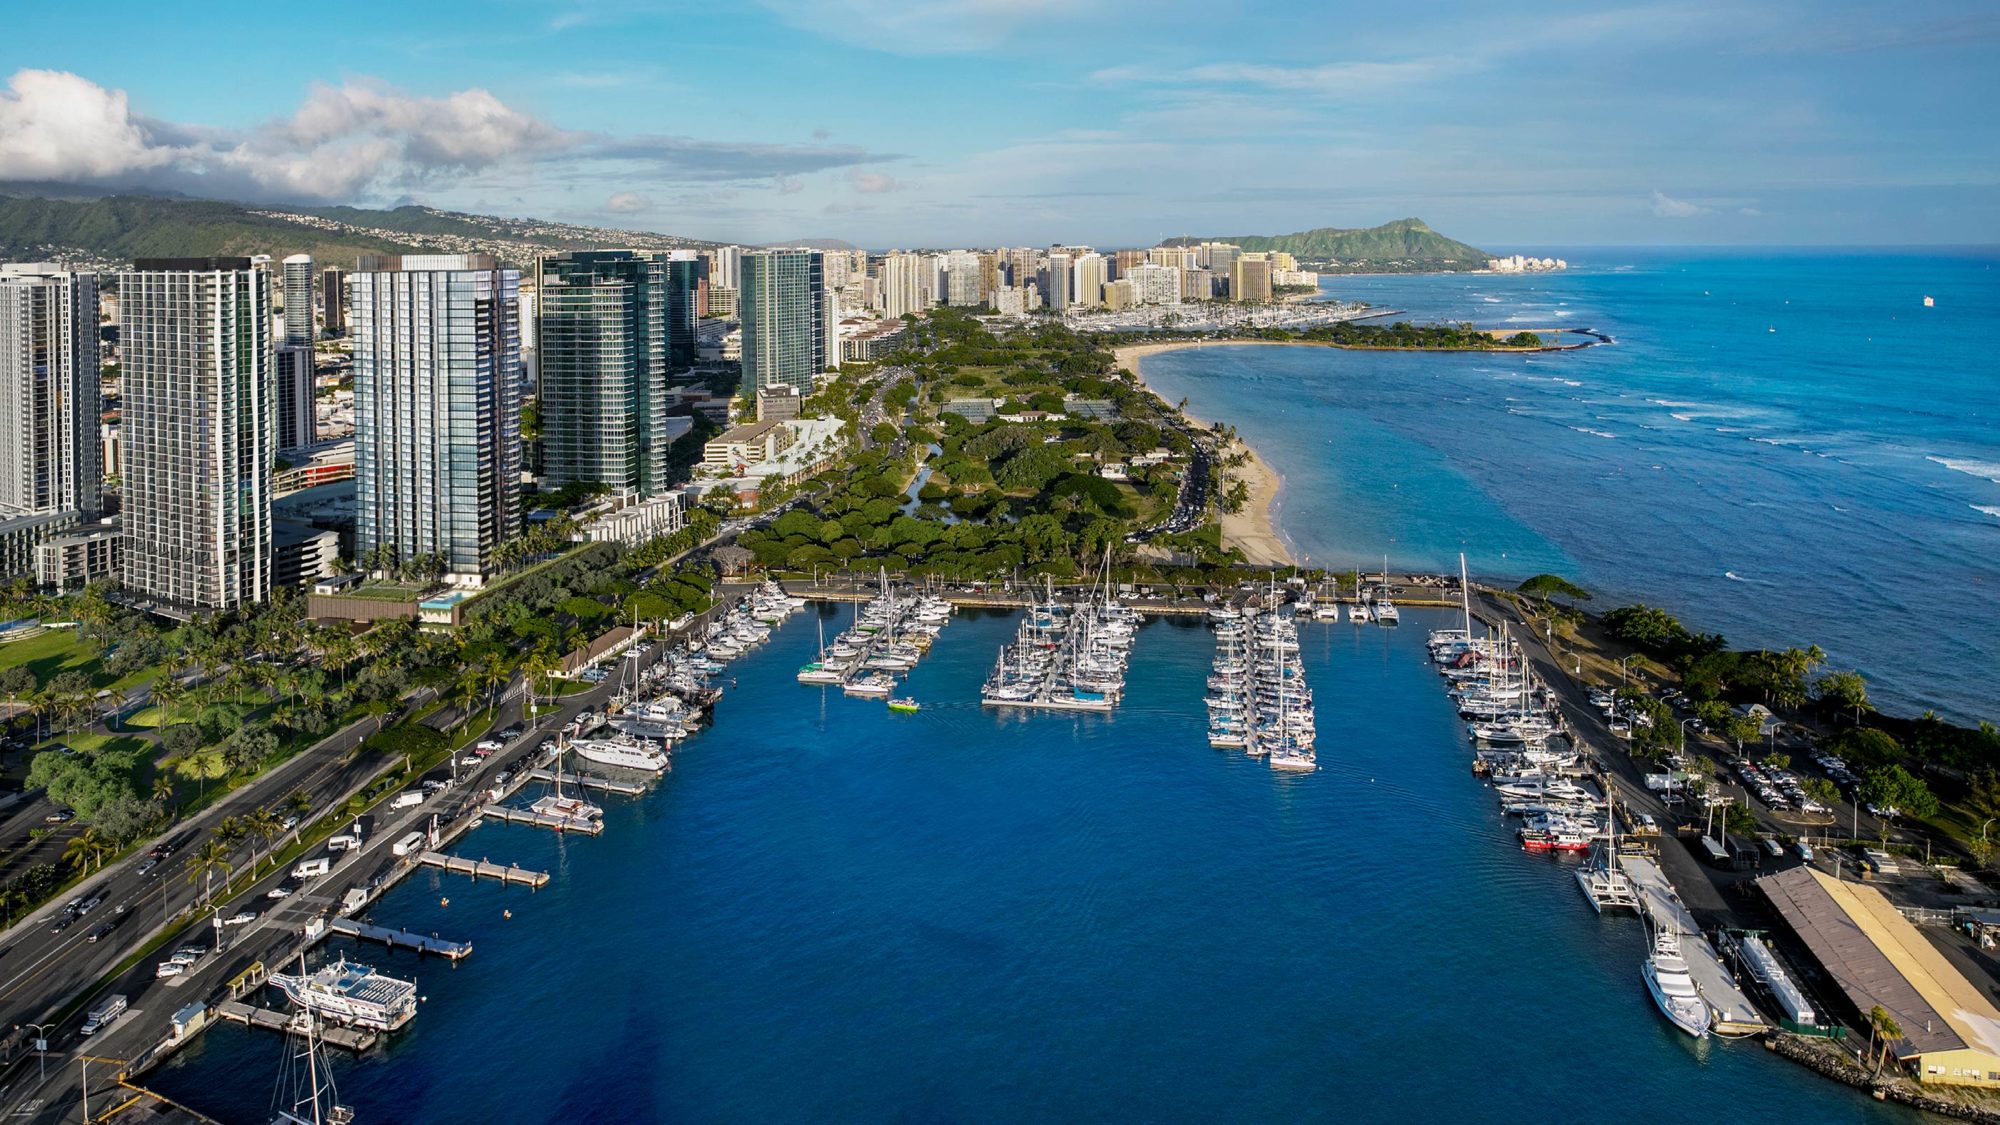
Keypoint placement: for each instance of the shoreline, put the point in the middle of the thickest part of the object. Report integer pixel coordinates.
(1254, 530)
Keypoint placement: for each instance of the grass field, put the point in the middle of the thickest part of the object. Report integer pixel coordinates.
(60, 650)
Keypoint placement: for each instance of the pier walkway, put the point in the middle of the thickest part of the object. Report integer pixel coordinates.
(250, 1015)
(479, 868)
(450, 950)
(543, 820)
(1734, 1013)
(585, 781)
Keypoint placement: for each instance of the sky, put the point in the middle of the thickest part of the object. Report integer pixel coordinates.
(987, 122)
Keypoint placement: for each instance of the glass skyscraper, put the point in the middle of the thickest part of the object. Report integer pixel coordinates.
(685, 271)
(195, 337)
(783, 309)
(605, 325)
(437, 399)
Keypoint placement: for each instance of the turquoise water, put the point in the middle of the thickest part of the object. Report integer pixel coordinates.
(827, 912)
(1785, 448)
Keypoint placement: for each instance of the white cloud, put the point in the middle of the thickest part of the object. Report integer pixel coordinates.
(790, 185)
(1667, 207)
(627, 203)
(57, 126)
(1334, 80)
(359, 140)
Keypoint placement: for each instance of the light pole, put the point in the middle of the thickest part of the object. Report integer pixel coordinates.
(41, 1048)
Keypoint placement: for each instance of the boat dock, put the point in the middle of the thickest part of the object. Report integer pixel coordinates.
(1734, 1013)
(250, 1015)
(450, 950)
(585, 781)
(542, 820)
(481, 869)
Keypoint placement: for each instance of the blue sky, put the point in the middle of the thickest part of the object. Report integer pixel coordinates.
(978, 122)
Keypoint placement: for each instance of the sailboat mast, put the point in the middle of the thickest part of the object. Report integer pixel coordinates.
(1465, 597)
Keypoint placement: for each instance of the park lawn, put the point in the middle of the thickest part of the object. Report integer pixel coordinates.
(61, 650)
(90, 741)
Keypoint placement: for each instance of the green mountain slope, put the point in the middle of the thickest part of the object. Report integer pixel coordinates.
(128, 226)
(1407, 244)
(104, 232)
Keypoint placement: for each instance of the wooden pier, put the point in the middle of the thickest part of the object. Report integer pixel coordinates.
(250, 1015)
(450, 950)
(584, 825)
(481, 869)
(1734, 1013)
(585, 781)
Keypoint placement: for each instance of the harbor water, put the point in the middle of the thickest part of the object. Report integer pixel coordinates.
(830, 912)
(1787, 448)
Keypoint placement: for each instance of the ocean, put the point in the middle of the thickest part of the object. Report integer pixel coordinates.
(828, 912)
(1784, 447)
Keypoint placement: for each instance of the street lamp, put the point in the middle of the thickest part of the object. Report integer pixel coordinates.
(41, 1046)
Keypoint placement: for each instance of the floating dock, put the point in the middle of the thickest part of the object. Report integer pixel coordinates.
(542, 820)
(585, 781)
(450, 950)
(481, 869)
(1734, 1013)
(250, 1015)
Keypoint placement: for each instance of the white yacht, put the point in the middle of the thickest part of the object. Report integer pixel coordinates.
(1358, 613)
(626, 754)
(353, 994)
(1667, 978)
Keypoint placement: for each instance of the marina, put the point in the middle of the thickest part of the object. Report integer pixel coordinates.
(955, 785)
(1065, 656)
(890, 633)
(353, 1039)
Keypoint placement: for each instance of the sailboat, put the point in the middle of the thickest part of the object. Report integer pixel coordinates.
(819, 672)
(304, 1094)
(1385, 610)
(557, 805)
(1603, 881)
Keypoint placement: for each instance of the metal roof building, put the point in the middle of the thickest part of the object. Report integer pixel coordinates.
(1951, 1029)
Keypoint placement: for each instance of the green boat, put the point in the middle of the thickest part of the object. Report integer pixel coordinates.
(906, 705)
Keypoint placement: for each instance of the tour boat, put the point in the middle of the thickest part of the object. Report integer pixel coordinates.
(904, 704)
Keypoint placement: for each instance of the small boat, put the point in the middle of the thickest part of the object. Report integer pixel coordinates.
(904, 704)
(1673, 989)
(874, 684)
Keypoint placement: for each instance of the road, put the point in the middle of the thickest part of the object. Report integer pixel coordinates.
(57, 1098)
(1191, 505)
(43, 966)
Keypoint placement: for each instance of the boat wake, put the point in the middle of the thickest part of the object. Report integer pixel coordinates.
(1592, 433)
(1733, 576)
(1990, 509)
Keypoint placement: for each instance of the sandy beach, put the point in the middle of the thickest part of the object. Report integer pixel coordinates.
(1253, 530)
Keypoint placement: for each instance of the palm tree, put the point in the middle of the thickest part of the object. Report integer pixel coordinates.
(231, 830)
(298, 802)
(87, 849)
(163, 787)
(212, 854)
(12, 896)
(264, 826)
(493, 675)
(464, 693)
(204, 765)
(1882, 1027)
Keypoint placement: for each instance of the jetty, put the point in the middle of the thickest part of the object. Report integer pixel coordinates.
(586, 781)
(1734, 1013)
(450, 950)
(482, 869)
(584, 825)
(250, 1015)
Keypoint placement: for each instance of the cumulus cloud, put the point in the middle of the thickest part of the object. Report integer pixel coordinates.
(872, 183)
(790, 185)
(1667, 207)
(57, 126)
(627, 203)
(360, 139)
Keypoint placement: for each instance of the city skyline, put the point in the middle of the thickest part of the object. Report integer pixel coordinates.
(961, 123)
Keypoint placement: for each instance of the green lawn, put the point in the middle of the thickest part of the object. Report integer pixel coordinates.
(58, 651)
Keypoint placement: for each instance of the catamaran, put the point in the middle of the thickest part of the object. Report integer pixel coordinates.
(350, 993)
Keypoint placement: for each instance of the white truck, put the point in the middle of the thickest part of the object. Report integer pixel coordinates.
(408, 799)
(408, 844)
(103, 1015)
(312, 868)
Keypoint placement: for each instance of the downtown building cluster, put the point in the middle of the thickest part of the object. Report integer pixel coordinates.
(224, 405)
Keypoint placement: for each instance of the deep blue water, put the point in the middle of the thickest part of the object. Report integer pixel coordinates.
(1784, 448)
(827, 912)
